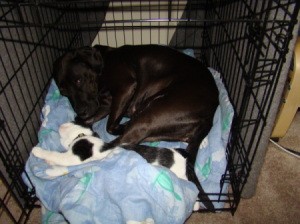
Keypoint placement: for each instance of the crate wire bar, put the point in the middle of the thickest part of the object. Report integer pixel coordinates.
(246, 41)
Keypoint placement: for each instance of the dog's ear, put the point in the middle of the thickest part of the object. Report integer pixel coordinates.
(92, 57)
(59, 72)
(103, 49)
(57, 66)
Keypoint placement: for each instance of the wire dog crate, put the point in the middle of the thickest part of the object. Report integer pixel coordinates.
(246, 41)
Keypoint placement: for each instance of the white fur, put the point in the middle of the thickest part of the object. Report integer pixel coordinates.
(68, 133)
(56, 158)
(57, 171)
(179, 166)
(147, 221)
(68, 158)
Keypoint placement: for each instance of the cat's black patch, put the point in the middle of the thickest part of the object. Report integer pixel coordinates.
(147, 152)
(83, 149)
(165, 157)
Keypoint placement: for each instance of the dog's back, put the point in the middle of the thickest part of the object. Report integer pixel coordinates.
(160, 70)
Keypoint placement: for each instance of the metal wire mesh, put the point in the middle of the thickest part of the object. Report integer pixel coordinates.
(245, 40)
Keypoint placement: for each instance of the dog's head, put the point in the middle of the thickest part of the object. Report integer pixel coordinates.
(76, 74)
(69, 132)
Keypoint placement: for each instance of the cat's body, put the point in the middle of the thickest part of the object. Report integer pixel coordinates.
(83, 146)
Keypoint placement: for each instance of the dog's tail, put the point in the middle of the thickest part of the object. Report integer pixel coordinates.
(191, 175)
(192, 149)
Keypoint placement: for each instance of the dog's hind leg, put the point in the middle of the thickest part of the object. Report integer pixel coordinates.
(135, 134)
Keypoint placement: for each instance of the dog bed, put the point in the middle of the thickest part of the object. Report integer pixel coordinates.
(123, 187)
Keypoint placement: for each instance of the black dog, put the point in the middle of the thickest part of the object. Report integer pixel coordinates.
(167, 94)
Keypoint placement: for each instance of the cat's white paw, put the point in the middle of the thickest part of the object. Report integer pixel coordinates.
(42, 154)
(57, 171)
(38, 152)
(196, 206)
(51, 163)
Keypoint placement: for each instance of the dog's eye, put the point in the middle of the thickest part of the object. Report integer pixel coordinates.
(78, 82)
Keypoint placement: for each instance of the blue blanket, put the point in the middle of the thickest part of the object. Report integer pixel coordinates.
(123, 187)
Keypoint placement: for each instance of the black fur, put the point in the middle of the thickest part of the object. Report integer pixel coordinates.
(83, 149)
(167, 95)
(191, 175)
(164, 156)
(183, 152)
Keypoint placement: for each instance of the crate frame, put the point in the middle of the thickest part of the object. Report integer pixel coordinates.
(33, 34)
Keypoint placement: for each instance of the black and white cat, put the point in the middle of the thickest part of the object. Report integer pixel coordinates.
(84, 146)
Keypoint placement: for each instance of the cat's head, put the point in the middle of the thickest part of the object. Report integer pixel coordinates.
(69, 132)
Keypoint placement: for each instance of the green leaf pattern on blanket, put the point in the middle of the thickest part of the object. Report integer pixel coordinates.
(154, 144)
(46, 110)
(56, 95)
(164, 180)
(206, 169)
(226, 122)
(48, 215)
(43, 133)
(85, 181)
